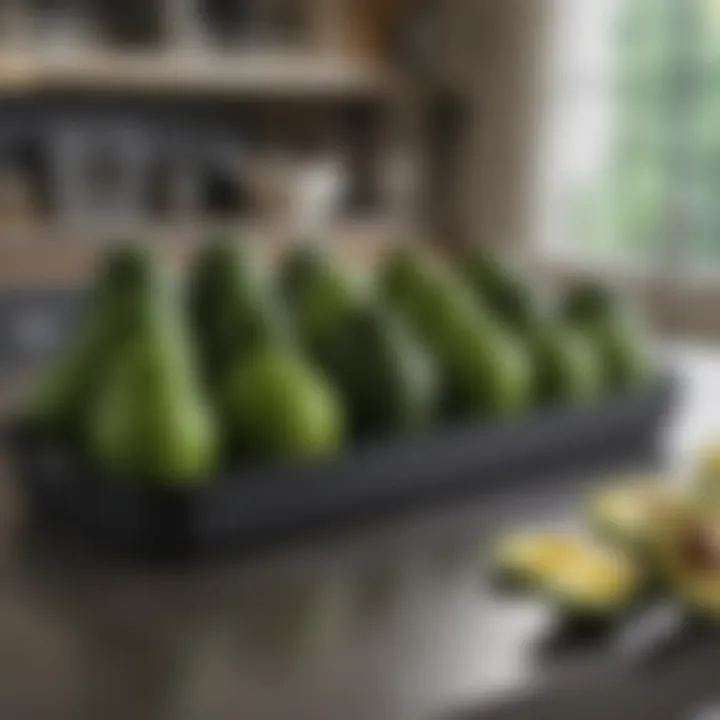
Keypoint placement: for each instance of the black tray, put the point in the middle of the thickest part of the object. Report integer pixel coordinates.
(248, 502)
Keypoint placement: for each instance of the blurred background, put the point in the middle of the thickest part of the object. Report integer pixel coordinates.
(171, 120)
(579, 135)
(579, 138)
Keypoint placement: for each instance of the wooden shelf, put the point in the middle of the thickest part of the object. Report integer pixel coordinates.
(255, 73)
(46, 256)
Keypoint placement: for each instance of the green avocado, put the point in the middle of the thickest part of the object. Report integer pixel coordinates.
(298, 267)
(130, 287)
(278, 406)
(387, 377)
(489, 371)
(331, 292)
(588, 301)
(151, 421)
(616, 332)
(625, 348)
(502, 290)
(485, 370)
(411, 276)
(568, 370)
(233, 306)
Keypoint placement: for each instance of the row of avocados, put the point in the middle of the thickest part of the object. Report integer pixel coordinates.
(164, 382)
(651, 539)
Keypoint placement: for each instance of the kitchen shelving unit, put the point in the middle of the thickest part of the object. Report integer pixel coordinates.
(98, 97)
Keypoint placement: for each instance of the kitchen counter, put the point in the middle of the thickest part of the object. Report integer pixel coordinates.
(392, 619)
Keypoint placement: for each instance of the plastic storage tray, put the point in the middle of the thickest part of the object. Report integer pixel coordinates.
(243, 503)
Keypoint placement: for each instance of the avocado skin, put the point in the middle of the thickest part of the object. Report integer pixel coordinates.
(298, 267)
(327, 296)
(233, 306)
(389, 380)
(502, 290)
(278, 406)
(130, 286)
(151, 422)
(567, 367)
(619, 337)
(486, 371)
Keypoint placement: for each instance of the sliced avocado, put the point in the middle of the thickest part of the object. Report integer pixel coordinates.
(527, 559)
(692, 562)
(594, 587)
(631, 516)
(707, 475)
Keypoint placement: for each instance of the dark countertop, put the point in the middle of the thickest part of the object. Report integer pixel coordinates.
(390, 620)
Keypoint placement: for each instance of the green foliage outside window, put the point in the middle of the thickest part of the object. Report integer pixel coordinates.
(660, 186)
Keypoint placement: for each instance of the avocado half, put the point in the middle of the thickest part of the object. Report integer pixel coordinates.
(589, 585)
(595, 588)
(524, 560)
(706, 484)
(691, 556)
(631, 516)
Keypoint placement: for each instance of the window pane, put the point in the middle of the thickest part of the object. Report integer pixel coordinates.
(698, 174)
(644, 37)
(707, 23)
(614, 142)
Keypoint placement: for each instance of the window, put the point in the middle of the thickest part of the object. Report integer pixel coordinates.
(632, 165)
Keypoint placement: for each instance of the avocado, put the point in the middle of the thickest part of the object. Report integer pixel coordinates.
(298, 267)
(485, 370)
(587, 584)
(589, 300)
(706, 481)
(151, 422)
(525, 559)
(633, 517)
(387, 377)
(616, 332)
(502, 290)
(691, 560)
(233, 306)
(489, 372)
(411, 277)
(567, 367)
(278, 406)
(130, 286)
(330, 294)
(594, 588)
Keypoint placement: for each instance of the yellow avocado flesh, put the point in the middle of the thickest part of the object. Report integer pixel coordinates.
(598, 582)
(533, 556)
(633, 513)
